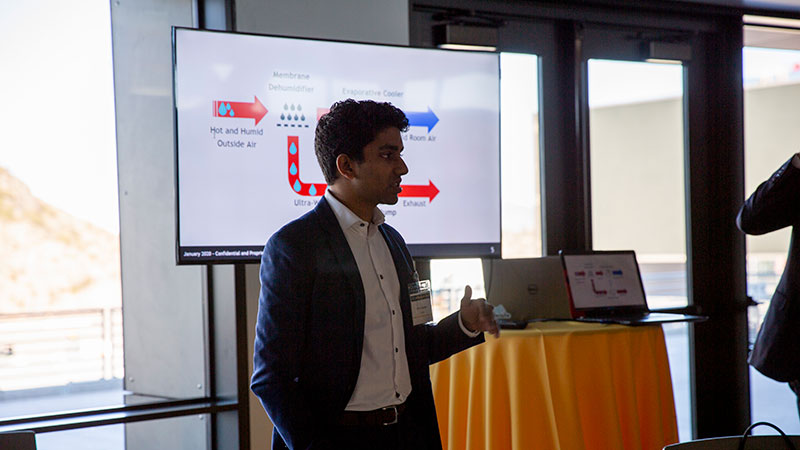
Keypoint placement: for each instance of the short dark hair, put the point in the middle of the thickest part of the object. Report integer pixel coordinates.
(348, 127)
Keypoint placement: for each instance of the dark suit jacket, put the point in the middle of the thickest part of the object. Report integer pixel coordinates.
(310, 331)
(774, 205)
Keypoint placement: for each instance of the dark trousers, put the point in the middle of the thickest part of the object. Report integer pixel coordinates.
(386, 437)
(406, 434)
(411, 432)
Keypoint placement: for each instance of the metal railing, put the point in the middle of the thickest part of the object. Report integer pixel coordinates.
(56, 348)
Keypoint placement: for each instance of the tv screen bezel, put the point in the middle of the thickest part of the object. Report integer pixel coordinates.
(209, 255)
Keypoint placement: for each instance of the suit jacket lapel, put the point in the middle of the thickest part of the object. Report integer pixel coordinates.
(341, 250)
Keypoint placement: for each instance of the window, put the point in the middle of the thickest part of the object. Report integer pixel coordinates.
(60, 316)
(637, 159)
(771, 113)
(59, 219)
(638, 189)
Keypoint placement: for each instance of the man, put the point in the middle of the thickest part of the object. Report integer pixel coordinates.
(774, 205)
(339, 361)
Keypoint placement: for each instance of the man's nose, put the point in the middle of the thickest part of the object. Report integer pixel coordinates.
(402, 168)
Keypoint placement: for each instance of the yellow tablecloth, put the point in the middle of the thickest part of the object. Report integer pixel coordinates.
(558, 385)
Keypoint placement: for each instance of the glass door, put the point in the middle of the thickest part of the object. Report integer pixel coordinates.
(638, 189)
(771, 71)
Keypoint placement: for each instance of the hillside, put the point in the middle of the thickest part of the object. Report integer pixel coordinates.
(50, 259)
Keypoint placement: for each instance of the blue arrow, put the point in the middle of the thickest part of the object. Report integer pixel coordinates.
(422, 119)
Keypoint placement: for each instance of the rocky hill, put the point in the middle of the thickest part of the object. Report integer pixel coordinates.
(50, 260)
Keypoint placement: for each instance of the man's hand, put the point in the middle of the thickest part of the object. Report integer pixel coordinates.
(477, 315)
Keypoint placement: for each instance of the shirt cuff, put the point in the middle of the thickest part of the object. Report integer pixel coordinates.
(465, 329)
(796, 160)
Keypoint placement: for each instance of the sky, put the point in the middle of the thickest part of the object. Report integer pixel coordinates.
(58, 99)
(58, 105)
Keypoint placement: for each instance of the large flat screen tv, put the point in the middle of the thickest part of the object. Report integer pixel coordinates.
(246, 107)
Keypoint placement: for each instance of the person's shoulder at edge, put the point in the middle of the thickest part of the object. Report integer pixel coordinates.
(796, 160)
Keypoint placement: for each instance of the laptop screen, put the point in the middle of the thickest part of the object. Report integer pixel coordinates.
(604, 280)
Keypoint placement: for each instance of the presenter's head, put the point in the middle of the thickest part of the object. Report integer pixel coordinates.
(358, 146)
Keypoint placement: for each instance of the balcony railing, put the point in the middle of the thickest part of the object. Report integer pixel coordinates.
(56, 348)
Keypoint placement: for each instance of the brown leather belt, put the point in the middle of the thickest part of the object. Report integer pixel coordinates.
(376, 417)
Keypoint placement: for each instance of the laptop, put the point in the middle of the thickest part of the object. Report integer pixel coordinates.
(525, 290)
(606, 287)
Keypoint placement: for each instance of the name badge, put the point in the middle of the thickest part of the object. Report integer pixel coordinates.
(420, 294)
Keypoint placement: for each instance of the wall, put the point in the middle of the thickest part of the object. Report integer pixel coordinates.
(378, 21)
(648, 137)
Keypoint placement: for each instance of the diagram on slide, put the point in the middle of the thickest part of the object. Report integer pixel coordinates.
(239, 110)
(308, 189)
(427, 119)
(317, 189)
(293, 116)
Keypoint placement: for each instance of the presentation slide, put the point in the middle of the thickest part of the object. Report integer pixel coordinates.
(246, 110)
(603, 280)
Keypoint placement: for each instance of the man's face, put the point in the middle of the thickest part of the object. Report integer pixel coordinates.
(377, 177)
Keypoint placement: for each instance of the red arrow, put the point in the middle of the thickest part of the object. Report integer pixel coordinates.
(240, 110)
(419, 190)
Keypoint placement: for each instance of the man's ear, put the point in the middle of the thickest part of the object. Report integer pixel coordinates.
(345, 166)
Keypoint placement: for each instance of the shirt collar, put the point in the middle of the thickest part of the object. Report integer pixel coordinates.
(348, 218)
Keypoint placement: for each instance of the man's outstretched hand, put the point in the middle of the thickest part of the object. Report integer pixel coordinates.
(477, 314)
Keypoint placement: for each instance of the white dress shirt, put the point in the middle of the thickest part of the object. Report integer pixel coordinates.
(383, 378)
